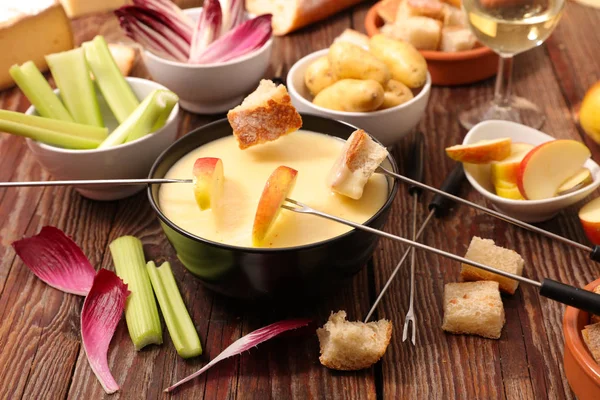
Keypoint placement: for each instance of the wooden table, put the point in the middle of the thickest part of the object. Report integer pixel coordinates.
(40, 347)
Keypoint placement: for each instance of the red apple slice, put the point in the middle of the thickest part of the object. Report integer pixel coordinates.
(482, 152)
(547, 166)
(589, 216)
(582, 178)
(208, 182)
(278, 186)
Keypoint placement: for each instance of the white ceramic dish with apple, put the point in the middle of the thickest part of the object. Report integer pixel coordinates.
(526, 210)
(211, 88)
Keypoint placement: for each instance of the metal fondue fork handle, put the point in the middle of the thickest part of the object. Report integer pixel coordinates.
(566, 294)
(112, 182)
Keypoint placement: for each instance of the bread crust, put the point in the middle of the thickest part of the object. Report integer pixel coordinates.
(354, 155)
(471, 274)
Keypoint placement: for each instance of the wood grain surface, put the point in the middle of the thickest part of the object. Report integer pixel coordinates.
(40, 346)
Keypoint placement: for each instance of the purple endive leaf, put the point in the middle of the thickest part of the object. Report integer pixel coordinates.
(57, 260)
(208, 27)
(176, 18)
(247, 342)
(241, 40)
(233, 14)
(101, 312)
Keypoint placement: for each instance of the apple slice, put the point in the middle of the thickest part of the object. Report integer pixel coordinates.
(509, 192)
(589, 216)
(547, 166)
(582, 178)
(208, 182)
(507, 170)
(278, 186)
(482, 152)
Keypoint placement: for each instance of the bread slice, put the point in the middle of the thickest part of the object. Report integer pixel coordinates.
(264, 115)
(473, 308)
(422, 32)
(591, 337)
(354, 37)
(595, 318)
(350, 346)
(455, 38)
(484, 251)
(420, 8)
(358, 160)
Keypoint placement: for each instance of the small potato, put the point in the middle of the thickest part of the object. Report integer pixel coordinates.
(405, 62)
(395, 93)
(351, 95)
(319, 75)
(349, 61)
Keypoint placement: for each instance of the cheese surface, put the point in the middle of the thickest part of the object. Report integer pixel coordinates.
(29, 30)
(247, 171)
(78, 8)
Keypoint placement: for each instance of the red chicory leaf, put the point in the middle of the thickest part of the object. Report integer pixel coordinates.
(173, 15)
(208, 27)
(246, 343)
(102, 310)
(57, 260)
(233, 14)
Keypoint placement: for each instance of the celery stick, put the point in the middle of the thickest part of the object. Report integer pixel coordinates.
(141, 312)
(72, 76)
(70, 128)
(142, 121)
(180, 325)
(39, 93)
(114, 87)
(48, 136)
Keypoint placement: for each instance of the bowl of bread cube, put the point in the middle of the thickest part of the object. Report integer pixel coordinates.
(582, 350)
(438, 29)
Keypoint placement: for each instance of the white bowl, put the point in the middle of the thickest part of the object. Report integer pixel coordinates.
(388, 126)
(126, 161)
(525, 210)
(211, 88)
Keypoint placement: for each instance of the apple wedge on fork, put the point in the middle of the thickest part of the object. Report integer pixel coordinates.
(208, 182)
(278, 186)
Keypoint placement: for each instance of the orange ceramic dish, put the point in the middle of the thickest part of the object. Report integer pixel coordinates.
(583, 372)
(447, 68)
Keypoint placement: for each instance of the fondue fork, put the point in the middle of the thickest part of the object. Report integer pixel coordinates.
(114, 182)
(554, 290)
(594, 252)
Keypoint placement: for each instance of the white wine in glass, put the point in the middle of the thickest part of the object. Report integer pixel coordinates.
(509, 27)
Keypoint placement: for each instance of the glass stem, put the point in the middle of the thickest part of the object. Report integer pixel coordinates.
(503, 81)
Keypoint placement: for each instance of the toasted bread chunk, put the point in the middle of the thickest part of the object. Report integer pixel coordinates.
(454, 16)
(473, 308)
(486, 252)
(591, 337)
(124, 57)
(422, 32)
(354, 37)
(350, 346)
(595, 318)
(264, 115)
(387, 10)
(420, 8)
(358, 160)
(457, 39)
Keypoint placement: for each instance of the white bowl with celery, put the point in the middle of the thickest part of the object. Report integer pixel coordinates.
(110, 127)
(210, 59)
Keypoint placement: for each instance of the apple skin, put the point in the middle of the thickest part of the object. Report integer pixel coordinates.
(581, 179)
(481, 153)
(589, 113)
(208, 181)
(561, 174)
(278, 186)
(589, 216)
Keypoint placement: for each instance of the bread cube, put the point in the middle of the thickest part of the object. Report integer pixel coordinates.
(420, 8)
(454, 16)
(473, 308)
(457, 39)
(484, 251)
(422, 32)
(591, 337)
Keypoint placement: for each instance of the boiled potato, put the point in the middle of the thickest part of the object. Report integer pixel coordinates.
(395, 93)
(349, 61)
(351, 95)
(405, 62)
(319, 75)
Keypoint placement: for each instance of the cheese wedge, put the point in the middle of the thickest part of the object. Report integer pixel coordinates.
(78, 8)
(29, 31)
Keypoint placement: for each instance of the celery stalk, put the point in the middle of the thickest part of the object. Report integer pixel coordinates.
(180, 325)
(39, 93)
(141, 312)
(48, 136)
(69, 128)
(72, 76)
(114, 87)
(143, 120)
(167, 100)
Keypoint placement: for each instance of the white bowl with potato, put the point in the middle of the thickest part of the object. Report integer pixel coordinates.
(362, 92)
(542, 170)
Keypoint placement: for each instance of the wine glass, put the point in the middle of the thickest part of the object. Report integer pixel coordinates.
(509, 27)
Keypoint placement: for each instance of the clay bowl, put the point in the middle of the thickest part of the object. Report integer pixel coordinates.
(583, 372)
(457, 68)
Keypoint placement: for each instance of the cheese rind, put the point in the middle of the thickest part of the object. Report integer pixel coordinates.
(31, 36)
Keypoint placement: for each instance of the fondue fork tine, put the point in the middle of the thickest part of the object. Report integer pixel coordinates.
(594, 252)
(566, 294)
(113, 182)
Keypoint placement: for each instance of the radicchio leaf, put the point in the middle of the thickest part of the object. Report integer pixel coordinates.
(102, 310)
(57, 260)
(246, 343)
(207, 29)
(173, 15)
